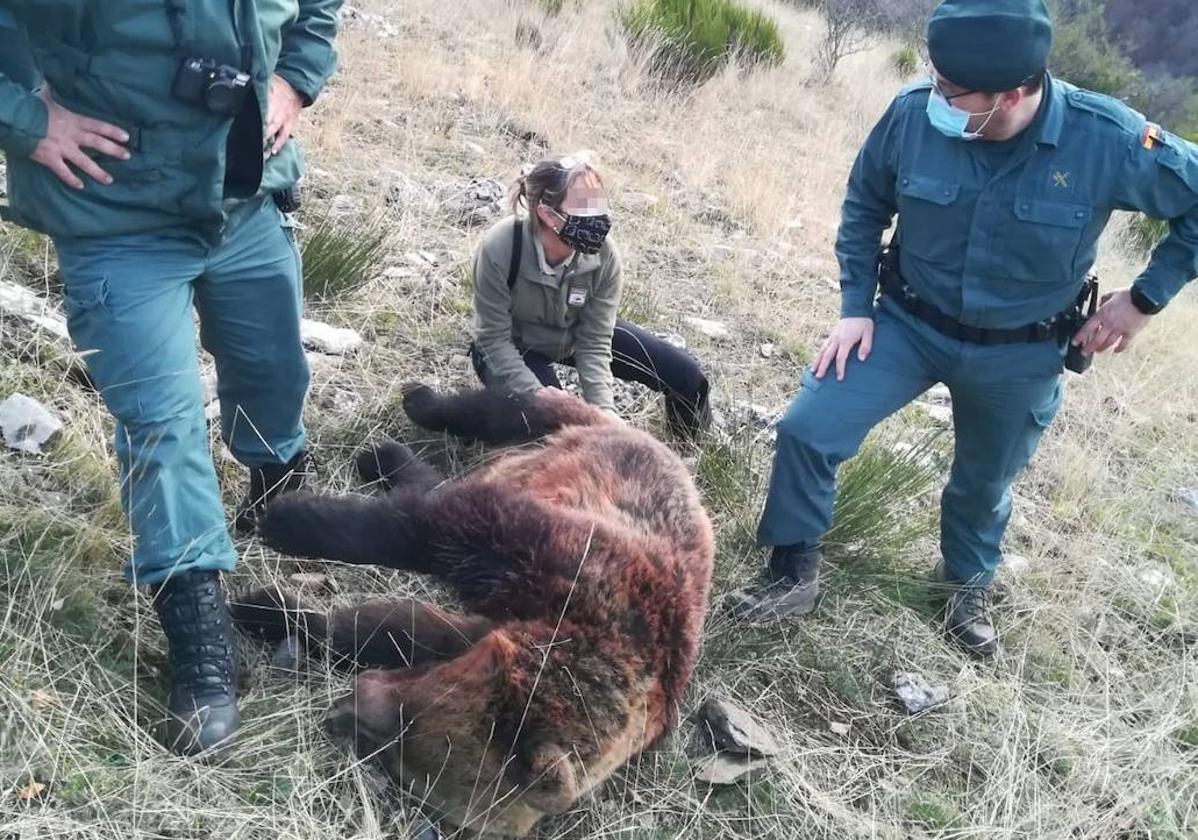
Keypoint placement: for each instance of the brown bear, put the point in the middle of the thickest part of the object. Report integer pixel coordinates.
(584, 566)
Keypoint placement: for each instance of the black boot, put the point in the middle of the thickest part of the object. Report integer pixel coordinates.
(267, 482)
(967, 614)
(195, 618)
(687, 418)
(792, 590)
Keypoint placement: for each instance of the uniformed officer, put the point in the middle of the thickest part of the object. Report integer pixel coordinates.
(151, 139)
(1003, 178)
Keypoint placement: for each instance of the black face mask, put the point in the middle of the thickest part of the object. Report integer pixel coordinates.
(584, 233)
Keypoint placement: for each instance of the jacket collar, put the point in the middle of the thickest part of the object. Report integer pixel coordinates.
(1051, 116)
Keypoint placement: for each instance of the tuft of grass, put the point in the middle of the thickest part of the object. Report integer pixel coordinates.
(874, 512)
(341, 256)
(905, 62)
(1145, 232)
(692, 40)
(935, 812)
(637, 302)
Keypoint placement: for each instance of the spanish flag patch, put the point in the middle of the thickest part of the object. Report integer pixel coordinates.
(1152, 137)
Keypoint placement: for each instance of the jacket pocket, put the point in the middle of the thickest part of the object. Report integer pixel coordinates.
(1046, 238)
(929, 215)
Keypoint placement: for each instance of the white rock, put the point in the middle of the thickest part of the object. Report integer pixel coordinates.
(768, 350)
(733, 730)
(27, 424)
(723, 769)
(405, 191)
(838, 728)
(938, 394)
(379, 25)
(335, 341)
(709, 328)
(341, 400)
(472, 201)
(400, 272)
(915, 693)
(1156, 576)
(321, 361)
(1016, 563)
(795, 224)
(745, 413)
(473, 149)
(24, 304)
(1187, 497)
(939, 413)
(208, 385)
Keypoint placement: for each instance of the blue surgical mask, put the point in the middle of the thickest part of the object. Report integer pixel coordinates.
(952, 121)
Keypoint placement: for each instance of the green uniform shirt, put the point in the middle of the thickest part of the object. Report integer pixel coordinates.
(559, 317)
(116, 61)
(1003, 240)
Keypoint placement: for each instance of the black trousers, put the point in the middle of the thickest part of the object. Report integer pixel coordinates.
(637, 356)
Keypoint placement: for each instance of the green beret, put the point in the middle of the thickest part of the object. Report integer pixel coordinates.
(989, 45)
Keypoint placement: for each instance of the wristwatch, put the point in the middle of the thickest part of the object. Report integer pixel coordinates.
(1144, 303)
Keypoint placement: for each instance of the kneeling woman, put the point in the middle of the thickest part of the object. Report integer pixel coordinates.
(547, 288)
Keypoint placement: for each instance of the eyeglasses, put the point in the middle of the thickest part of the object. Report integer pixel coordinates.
(939, 90)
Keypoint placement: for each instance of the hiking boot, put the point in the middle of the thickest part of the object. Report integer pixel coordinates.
(199, 632)
(269, 481)
(792, 590)
(967, 614)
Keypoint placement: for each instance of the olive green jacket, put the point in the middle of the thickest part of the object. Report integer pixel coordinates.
(115, 60)
(575, 316)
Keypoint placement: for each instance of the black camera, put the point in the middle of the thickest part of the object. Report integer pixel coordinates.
(218, 87)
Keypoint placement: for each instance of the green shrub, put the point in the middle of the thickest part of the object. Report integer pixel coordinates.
(1084, 54)
(905, 62)
(551, 7)
(691, 40)
(340, 256)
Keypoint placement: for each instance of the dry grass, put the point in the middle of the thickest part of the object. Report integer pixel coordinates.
(1084, 727)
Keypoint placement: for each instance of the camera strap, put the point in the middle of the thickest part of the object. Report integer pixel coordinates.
(176, 9)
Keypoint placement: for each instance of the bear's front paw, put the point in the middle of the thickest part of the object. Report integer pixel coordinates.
(264, 611)
(423, 405)
(290, 525)
(385, 463)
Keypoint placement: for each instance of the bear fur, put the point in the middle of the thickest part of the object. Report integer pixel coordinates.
(583, 564)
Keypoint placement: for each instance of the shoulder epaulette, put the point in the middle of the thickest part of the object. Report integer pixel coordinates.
(1108, 108)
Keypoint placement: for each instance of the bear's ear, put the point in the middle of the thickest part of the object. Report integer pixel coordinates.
(551, 785)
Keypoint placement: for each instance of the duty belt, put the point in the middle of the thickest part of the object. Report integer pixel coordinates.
(1059, 327)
